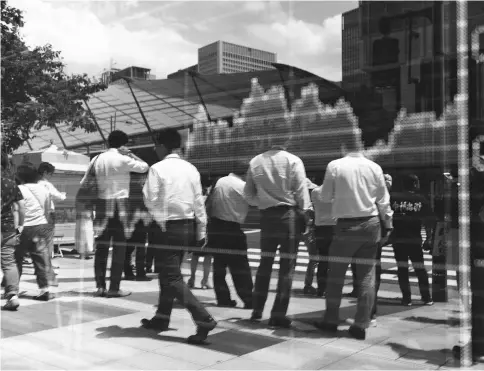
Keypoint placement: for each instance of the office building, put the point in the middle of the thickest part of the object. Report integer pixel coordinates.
(224, 57)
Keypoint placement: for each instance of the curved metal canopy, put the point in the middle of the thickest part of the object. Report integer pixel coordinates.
(174, 103)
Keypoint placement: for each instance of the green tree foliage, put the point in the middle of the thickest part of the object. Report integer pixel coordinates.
(36, 90)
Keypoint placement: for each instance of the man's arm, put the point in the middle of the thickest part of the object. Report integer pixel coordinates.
(54, 193)
(199, 209)
(383, 200)
(250, 190)
(18, 211)
(152, 194)
(300, 186)
(135, 164)
(325, 193)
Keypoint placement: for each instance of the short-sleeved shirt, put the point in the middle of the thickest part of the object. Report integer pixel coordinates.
(10, 194)
(411, 211)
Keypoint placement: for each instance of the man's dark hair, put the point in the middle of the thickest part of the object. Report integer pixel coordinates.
(117, 139)
(46, 167)
(410, 182)
(170, 138)
(27, 173)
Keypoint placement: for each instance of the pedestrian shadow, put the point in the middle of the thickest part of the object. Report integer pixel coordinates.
(115, 331)
(434, 357)
(451, 321)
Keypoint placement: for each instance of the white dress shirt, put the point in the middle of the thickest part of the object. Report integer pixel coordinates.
(276, 178)
(356, 186)
(173, 191)
(37, 204)
(227, 201)
(112, 173)
(322, 210)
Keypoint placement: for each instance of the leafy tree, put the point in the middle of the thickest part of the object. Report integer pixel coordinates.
(36, 90)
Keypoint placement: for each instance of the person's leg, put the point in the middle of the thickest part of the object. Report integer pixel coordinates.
(344, 245)
(416, 256)
(365, 271)
(269, 241)
(289, 244)
(101, 254)
(207, 267)
(401, 256)
(308, 280)
(355, 281)
(377, 280)
(324, 237)
(118, 257)
(240, 270)
(39, 252)
(193, 269)
(140, 261)
(10, 272)
(222, 292)
(128, 262)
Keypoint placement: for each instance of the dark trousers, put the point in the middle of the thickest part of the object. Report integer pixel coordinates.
(150, 251)
(9, 264)
(414, 252)
(230, 240)
(279, 227)
(324, 237)
(355, 281)
(115, 230)
(136, 242)
(355, 239)
(179, 233)
(313, 262)
(36, 241)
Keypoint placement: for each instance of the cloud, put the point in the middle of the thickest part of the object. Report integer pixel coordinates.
(85, 41)
(301, 37)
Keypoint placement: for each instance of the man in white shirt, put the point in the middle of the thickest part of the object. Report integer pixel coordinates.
(227, 209)
(276, 182)
(356, 188)
(173, 196)
(112, 170)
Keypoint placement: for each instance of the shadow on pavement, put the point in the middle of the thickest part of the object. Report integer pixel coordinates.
(110, 332)
(436, 357)
(451, 321)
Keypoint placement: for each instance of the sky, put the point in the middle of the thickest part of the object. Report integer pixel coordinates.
(165, 35)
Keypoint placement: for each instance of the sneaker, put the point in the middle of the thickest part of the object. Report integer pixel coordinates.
(283, 322)
(202, 332)
(309, 290)
(154, 324)
(205, 285)
(12, 304)
(117, 293)
(373, 322)
(428, 302)
(229, 304)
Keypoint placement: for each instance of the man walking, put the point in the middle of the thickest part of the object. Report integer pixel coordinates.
(173, 196)
(227, 209)
(356, 187)
(412, 211)
(111, 170)
(276, 182)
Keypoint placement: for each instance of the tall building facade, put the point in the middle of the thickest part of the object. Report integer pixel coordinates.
(224, 57)
(352, 59)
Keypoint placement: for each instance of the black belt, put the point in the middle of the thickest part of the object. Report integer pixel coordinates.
(359, 219)
(279, 207)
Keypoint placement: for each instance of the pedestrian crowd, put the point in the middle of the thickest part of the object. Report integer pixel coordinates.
(125, 205)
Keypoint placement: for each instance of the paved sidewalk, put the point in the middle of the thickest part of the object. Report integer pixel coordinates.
(78, 331)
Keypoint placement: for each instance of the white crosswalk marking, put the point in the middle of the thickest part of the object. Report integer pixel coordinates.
(387, 258)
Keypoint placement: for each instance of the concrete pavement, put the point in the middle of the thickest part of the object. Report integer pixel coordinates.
(79, 331)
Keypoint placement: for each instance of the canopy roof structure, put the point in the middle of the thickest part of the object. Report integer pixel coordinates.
(174, 103)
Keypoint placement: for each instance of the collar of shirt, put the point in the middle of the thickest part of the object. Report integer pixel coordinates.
(278, 148)
(235, 176)
(355, 154)
(171, 155)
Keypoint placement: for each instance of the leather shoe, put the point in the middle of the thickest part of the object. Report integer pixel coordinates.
(154, 324)
(283, 322)
(357, 333)
(256, 316)
(203, 329)
(230, 304)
